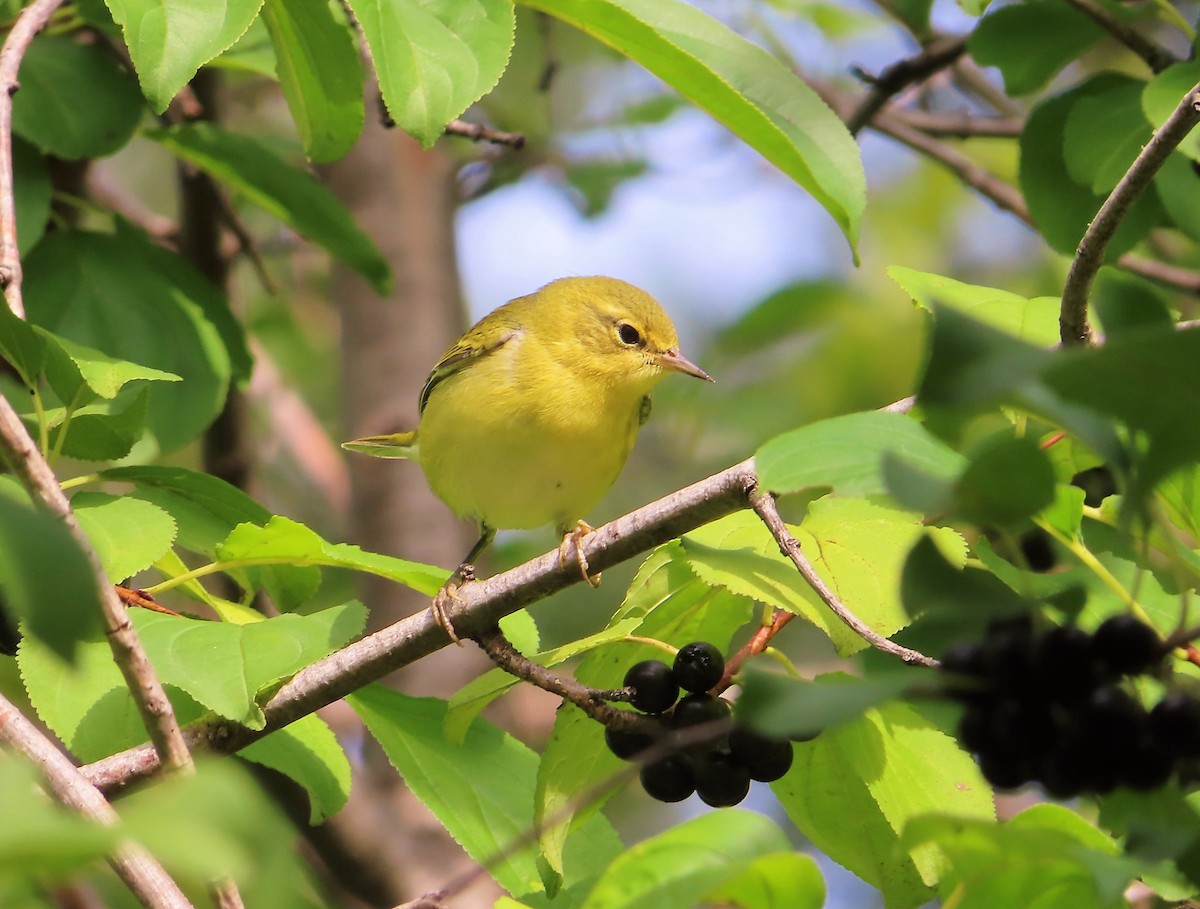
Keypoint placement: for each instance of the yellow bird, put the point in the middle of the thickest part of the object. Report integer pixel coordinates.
(529, 418)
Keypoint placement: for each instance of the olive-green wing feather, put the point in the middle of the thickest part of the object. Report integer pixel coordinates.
(469, 348)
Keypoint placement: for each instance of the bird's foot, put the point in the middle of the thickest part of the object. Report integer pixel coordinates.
(445, 597)
(573, 541)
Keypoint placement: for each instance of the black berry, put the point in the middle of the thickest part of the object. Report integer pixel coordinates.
(1066, 663)
(654, 686)
(766, 758)
(720, 780)
(669, 780)
(1175, 722)
(698, 666)
(1126, 645)
(626, 745)
(699, 708)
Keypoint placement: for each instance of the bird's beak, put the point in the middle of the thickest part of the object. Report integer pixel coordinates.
(673, 359)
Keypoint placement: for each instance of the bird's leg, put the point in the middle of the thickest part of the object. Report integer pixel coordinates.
(572, 539)
(464, 574)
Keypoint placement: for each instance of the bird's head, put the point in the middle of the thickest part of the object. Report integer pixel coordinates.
(626, 336)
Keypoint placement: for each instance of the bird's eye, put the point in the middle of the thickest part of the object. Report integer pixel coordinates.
(628, 334)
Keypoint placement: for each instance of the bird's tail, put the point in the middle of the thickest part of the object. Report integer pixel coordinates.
(396, 445)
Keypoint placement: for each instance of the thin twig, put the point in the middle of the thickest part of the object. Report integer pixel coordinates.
(1156, 57)
(759, 641)
(589, 700)
(140, 871)
(142, 600)
(763, 504)
(1073, 319)
(477, 607)
(957, 124)
(934, 57)
(31, 21)
(479, 133)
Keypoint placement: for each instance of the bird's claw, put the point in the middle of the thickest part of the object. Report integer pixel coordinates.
(573, 541)
(446, 596)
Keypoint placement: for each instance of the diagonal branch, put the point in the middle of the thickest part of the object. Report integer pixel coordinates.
(763, 504)
(1072, 319)
(31, 21)
(479, 605)
(27, 460)
(141, 872)
(934, 57)
(1156, 57)
(139, 674)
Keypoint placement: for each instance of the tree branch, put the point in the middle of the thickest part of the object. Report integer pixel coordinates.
(142, 874)
(763, 504)
(508, 658)
(479, 133)
(27, 460)
(1073, 320)
(934, 56)
(479, 605)
(1156, 57)
(127, 650)
(31, 21)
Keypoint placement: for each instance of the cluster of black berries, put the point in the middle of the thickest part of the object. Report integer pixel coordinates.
(718, 769)
(1049, 708)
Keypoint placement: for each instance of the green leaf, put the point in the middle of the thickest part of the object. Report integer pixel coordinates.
(435, 59)
(1032, 41)
(1178, 188)
(1044, 849)
(46, 578)
(320, 72)
(1062, 208)
(846, 454)
(783, 706)
(31, 189)
(21, 347)
(233, 830)
(98, 291)
(75, 99)
(1036, 320)
(103, 431)
(251, 169)
(478, 790)
(857, 548)
(206, 508)
(1008, 480)
(782, 880)
(962, 598)
(740, 85)
(678, 868)
(288, 543)
(309, 753)
(72, 365)
(169, 40)
(252, 53)
(224, 667)
(1104, 134)
(1122, 379)
(41, 838)
(1165, 92)
(128, 534)
(855, 788)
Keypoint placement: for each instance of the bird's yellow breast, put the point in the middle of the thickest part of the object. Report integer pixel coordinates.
(521, 438)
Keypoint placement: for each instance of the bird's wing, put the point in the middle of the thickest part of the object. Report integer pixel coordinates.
(460, 356)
